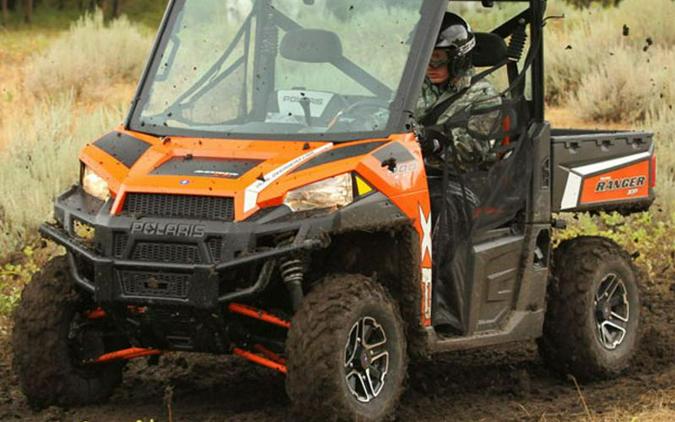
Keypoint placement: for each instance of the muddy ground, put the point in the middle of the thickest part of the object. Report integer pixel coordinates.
(509, 383)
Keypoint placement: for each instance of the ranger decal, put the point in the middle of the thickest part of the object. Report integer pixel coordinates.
(608, 184)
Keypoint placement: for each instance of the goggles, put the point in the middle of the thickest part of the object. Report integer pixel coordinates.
(435, 64)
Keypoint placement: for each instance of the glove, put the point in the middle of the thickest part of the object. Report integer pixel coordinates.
(431, 141)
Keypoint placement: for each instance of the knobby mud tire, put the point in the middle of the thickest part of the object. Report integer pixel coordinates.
(316, 350)
(570, 345)
(42, 358)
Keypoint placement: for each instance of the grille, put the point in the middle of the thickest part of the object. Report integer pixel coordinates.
(215, 245)
(185, 206)
(162, 285)
(120, 244)
(167, 252)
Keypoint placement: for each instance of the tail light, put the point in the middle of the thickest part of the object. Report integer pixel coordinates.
(652, 173)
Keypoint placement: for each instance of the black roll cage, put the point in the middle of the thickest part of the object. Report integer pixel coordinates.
(414, 72)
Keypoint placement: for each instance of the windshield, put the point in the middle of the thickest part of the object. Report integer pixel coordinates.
(278, 68)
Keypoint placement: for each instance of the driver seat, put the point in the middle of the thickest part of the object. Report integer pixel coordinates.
(490, 50)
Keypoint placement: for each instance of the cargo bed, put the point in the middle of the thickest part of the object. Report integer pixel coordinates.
(602, 170)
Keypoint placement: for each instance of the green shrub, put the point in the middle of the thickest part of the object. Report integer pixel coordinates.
(40, 162)
(627, 86)
(13, 276)
(91, 55)
(650, 237)
(585, 39)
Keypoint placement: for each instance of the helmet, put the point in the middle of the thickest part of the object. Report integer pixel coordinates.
(459, 41)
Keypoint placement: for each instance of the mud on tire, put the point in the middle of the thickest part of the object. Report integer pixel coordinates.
(43, 354)
(324, 347)
(586, 270)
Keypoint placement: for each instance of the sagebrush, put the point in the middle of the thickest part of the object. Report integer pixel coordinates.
(90, 56)
(586, 39)
(40, 162)
(628, 86)
(662, 123)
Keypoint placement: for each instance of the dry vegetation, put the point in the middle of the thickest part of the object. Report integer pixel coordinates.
(90, 58)
(60, 99)
(586, 39)
(43, 162)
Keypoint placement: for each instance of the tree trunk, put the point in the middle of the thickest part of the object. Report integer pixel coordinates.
(28, 11)
(115, 9)
(5, 12)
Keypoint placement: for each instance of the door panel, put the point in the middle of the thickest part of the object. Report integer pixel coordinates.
(494, 282)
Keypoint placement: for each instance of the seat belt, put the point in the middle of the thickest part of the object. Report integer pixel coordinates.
(431, 118)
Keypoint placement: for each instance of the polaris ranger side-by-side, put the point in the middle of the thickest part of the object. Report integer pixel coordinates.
(267, 197)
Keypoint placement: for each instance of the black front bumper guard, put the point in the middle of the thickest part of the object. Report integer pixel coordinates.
(208, 274)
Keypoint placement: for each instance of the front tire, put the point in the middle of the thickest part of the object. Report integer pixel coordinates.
(51, 338)
(592, 320)
(346, 347)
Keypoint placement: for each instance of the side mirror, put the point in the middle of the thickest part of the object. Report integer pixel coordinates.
(311, 46)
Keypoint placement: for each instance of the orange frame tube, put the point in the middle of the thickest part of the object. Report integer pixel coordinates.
(269, 354)
(250, 312)
(260, 360)
(97, 313)
(127, 354)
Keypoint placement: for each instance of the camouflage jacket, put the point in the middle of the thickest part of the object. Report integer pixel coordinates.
(471, 153)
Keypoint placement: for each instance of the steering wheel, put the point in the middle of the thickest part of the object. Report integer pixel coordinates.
(350, 110)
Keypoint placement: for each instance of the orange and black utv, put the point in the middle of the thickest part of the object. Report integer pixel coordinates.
(267, 197)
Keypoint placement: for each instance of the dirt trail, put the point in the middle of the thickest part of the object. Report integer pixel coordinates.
(498, 384)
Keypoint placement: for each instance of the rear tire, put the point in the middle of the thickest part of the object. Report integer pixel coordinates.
(50, 339)
(338, 338)
(592, 321)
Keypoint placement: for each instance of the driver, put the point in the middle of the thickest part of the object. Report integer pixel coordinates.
(447, 90)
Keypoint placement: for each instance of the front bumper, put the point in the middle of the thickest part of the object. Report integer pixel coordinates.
(103, 267)
(204, 280)
(240, 268)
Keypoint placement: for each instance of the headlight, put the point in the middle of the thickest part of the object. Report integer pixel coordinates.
(94, 185)
(334, 193)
